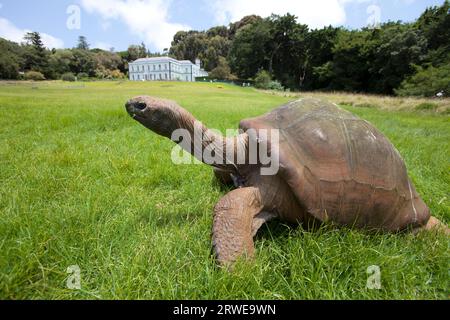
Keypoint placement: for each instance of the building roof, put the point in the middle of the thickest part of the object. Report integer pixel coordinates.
(154, 59)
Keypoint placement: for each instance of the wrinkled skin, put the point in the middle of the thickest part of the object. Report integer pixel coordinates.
(333, 167)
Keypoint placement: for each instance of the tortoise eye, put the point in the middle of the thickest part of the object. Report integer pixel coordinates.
(140, 105)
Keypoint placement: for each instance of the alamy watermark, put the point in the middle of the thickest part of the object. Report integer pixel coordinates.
(73, 21)
(257, 147)
(73, 281)
(374, 278)
(374, 19)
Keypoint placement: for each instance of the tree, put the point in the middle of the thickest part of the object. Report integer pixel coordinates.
(352, 56)
(135, 52)
(234, 27)
(217, 47)
(222, 71)
(248, 52)
(82, 43)
(220, 31)
(435, 25)
(107, 65)
(34, 39)
(83, 62)
(143, 50)
(60, 62)
(427, 81)
(317, 70)
(35, 54)
(263, 79)
(288, 51)
(107, 60)
(11, 60)
(189, 45)
(401, 47)
(276, 44)
(9, 68)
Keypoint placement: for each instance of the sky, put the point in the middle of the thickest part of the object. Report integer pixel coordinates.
(118, 23)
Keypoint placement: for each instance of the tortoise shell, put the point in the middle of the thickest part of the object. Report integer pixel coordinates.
(341, 168)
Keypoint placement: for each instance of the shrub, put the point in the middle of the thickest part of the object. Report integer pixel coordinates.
(116, 74)
(262, 80)
(102, 73)
(68, 76)
(426, 82)
(82, 76)
(34, 75)
(276, 85)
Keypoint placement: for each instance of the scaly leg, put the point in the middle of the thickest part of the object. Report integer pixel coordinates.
(234, 226)
(434, 224)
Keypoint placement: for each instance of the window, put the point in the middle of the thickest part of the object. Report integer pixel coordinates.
(159, 67)
(160, 76)
(154, 67)
(186, 70)
(165, 76)
(148, 67)
(142, 68)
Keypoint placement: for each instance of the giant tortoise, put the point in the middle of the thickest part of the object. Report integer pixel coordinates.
(333, 167)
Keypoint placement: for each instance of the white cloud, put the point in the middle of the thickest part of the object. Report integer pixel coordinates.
(51, 42)
(407, 2)
(315, 14)
(148, 19)
(9, 31)
(105, 25)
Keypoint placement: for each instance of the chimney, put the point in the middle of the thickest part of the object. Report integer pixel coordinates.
(197, 62)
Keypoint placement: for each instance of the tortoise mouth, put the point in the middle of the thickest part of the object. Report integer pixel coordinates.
(136, 109)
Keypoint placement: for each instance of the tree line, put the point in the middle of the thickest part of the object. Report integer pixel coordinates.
(31, 60)
(277, 52)
(391, 58)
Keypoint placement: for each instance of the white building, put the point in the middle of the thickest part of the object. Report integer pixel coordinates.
(165, 69)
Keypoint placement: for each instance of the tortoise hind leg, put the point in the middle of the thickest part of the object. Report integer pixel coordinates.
(434, 224)
(233, 224)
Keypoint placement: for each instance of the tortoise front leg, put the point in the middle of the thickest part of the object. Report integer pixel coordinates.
(233, 224)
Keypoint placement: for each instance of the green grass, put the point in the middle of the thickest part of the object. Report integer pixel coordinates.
(81, 183)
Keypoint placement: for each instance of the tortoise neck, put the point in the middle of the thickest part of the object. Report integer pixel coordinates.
(209, 146)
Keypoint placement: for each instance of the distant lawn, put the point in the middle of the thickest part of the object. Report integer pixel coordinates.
(83, 184)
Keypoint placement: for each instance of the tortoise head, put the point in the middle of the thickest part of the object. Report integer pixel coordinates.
(159, 115)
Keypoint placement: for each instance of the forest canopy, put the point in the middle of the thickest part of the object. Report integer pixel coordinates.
(395, 57)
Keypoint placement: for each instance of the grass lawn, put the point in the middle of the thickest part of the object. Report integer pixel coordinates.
(83, 184)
